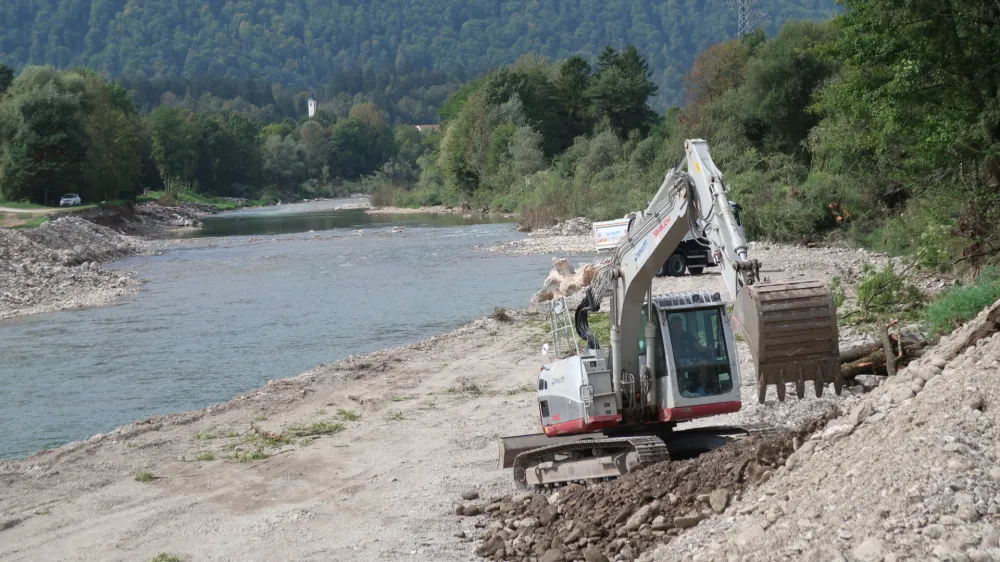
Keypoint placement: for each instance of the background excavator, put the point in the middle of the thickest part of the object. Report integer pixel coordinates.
(672, 357)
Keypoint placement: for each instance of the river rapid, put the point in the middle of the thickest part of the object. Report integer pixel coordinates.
(262, 294)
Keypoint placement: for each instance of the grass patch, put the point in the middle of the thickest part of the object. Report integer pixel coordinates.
(197, 198)
(205, 456)
(33, 222)
(205, 436)
(265, 439)
(259, 418)
(469, 387)
(21, 205)
(144, 477)
(316, 428)
(257, 454)
(395, 416)
(524, 388)
(348, 415)
(403, 398)
(960, 304)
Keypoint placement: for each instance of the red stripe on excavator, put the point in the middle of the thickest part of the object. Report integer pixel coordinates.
(700, 411)
(581, 426)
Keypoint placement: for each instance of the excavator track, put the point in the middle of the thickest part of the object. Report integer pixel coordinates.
(587, 460)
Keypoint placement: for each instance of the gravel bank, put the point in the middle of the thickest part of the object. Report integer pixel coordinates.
(378, 447)
(56, 266)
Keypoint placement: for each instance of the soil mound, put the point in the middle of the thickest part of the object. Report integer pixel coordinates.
(620, 519)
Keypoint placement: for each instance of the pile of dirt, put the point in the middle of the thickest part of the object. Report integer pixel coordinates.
(72, 240)
(148, 218)
(580, 226)
(620, 519)
(55, 267)
(909, 474)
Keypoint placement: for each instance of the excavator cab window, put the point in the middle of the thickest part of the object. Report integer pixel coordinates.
(700, 354)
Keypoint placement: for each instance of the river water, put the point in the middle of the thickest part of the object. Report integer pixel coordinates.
(224, 314)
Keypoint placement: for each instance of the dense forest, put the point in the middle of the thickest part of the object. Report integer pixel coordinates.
(879, 127)
(320, 46)
(70, 131)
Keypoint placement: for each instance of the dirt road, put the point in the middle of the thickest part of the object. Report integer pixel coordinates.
(32, 210)
(383, 488)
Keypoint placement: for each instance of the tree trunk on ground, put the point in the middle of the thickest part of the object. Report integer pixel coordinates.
(888, 355)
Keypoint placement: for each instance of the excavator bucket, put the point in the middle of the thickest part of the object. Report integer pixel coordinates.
(792, 331)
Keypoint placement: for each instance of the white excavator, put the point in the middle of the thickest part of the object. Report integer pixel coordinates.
(671, 358)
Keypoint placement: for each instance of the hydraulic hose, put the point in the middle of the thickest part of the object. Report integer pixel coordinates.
(581, 322)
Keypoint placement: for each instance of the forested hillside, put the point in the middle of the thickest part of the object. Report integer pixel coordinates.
(307, 44)
(877, 128)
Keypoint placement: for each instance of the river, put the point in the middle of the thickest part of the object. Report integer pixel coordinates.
(263, 294)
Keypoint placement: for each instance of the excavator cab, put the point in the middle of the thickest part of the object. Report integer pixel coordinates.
(695, 363)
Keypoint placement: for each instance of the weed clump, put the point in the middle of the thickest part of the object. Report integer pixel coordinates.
(316, 428)
(960, 304)
(348, 415)
(500, 314)
(144, 477)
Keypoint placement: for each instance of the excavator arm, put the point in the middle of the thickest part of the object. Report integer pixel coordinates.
(791, 328)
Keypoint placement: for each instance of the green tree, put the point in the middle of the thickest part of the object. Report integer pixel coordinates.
(779, 86)
(6, 77)
(620, 91)
(43, 136)
(228, 154)
(918, 98)
(113, 127)
(173, 146)
(283, 165)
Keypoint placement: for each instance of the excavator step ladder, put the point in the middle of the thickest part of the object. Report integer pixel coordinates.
(564, 342)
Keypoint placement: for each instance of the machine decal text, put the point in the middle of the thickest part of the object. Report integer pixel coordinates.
(640, 251)
(661, 228)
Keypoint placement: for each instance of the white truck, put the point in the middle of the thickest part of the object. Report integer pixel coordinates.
(693, 254)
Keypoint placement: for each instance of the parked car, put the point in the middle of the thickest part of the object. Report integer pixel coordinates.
(69, 199)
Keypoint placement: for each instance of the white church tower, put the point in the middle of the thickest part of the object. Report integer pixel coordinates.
(312, 106)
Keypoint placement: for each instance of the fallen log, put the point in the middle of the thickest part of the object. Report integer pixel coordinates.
(868, 357)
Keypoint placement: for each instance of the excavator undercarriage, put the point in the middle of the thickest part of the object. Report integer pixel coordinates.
(540, 461)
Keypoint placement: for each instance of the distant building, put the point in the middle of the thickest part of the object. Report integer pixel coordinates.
(426, 128)
(312, 106)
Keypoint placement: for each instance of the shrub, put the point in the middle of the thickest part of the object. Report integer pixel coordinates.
(962, 303)
(382, 195)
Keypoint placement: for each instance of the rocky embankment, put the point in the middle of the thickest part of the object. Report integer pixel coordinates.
(56, 266)
(909, 473)
(570, 237)
(148, 219)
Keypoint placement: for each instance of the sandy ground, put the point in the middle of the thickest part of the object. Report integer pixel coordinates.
(384, 488)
